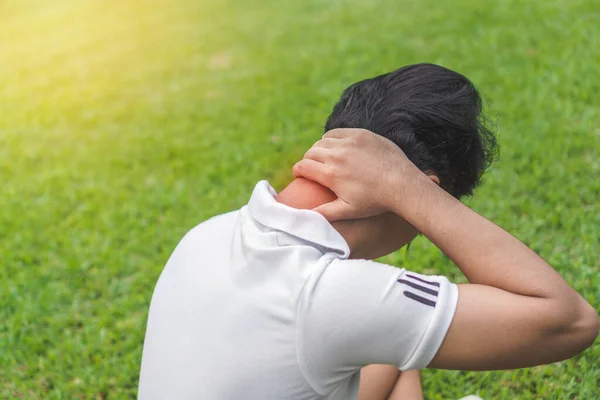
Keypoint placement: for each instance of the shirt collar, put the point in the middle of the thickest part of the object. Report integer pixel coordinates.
(307, 225)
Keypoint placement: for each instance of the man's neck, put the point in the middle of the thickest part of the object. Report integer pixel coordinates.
(305, 195)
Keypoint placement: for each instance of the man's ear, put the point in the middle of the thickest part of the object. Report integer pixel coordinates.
(434, 178)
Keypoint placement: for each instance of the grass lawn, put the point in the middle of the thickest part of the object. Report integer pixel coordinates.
(124, 124)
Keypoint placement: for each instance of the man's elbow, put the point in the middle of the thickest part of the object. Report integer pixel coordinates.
(583, 327)
(589, 326)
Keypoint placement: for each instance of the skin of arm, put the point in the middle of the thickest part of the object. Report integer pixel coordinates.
(377, 381)
(516, 312)
(408, 387)
(386, 382)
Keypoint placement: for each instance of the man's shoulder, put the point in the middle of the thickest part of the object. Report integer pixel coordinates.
(338, 279)
(214, 227)
(357, 267)
(221, 219)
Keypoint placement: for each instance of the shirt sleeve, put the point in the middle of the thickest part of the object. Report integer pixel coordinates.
(359, 312)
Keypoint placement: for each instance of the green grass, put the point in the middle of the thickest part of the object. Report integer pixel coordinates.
(124, 124)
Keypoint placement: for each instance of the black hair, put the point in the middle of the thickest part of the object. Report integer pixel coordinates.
(432, 113)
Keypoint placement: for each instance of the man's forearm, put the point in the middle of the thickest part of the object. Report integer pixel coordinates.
(484, 252)
(408, 387)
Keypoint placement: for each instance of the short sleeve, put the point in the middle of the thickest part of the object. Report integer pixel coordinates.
(359, 312)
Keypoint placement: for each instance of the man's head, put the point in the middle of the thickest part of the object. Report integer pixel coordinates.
(435, 116)
(432, 113)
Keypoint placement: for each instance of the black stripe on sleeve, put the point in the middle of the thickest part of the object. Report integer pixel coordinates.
(419, 287)
(420, 299)
(423, 280)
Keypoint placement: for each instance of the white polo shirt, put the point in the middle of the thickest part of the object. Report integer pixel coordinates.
(263, 303)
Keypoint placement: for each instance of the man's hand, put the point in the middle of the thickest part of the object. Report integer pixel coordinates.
(363, 169)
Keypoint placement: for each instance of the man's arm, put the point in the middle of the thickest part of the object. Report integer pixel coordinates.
(517, 311)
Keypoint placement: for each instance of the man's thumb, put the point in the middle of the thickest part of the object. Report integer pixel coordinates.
(334, 211)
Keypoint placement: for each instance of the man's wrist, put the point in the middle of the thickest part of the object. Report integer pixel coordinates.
(407, 191)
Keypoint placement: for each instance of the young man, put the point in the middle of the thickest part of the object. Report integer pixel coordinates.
(279, 300)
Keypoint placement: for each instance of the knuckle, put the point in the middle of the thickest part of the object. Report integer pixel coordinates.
(338, 156)
(330, 133)
(302, 165)
(363, 137)
(330, 175)
(358, 135)
(312, 153)
(356, 141)
(321, 143)
(361, 133)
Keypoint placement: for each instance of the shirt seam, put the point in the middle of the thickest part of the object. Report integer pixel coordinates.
(300, 366)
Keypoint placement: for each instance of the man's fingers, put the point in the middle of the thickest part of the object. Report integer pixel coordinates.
(327, 143)
(334, 211)
(319, 154)
(336, 134)
(313, 171)
(343, 133)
